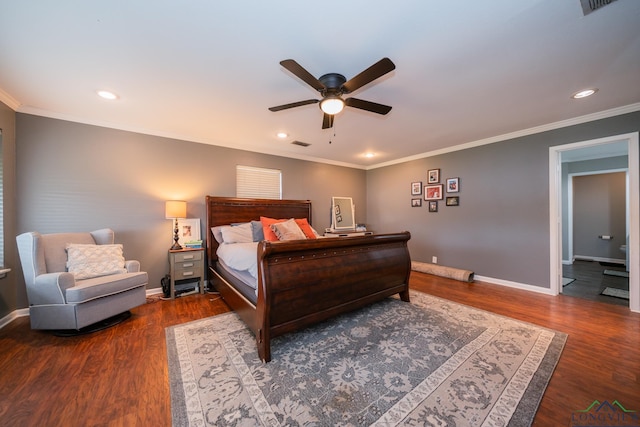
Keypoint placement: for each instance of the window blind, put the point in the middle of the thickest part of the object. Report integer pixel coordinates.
(1, 205)
(259, 183)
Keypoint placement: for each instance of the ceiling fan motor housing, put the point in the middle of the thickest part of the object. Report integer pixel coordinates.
(333, 82)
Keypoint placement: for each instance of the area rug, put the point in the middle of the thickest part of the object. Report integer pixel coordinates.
(428, 362)
(567, 281)
(616, 273)
(615, 292)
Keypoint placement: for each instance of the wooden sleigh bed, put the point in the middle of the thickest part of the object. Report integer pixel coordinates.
(302, 282)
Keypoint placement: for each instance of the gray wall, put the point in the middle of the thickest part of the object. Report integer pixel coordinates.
(9, 289)
(501, 228)
(75, 177)
(72, 177)
(599, 209)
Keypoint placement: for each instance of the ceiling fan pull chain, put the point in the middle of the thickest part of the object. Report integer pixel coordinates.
(334, 132)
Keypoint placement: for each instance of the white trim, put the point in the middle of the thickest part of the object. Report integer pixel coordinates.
(633, 247)
(515, 285)
(525, 132)
(599, 259)
(13, 316)
(154, 291)
(555, 219)
(22, 312)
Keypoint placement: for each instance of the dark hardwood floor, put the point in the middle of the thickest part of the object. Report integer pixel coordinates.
(590, 281)
(119, 377)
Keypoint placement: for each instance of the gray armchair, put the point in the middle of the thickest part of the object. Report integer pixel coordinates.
(63, 300)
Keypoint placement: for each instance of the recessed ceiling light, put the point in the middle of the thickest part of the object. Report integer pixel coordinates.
(584, 93)
(282, 135)
(107, 95)
(369, 155)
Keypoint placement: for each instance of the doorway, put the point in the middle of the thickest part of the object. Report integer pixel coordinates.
(556, 203)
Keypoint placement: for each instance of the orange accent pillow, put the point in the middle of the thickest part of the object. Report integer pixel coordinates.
(271, 236)
(305, 227)
(266, 228)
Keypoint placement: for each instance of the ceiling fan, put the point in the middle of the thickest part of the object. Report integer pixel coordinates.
(333, 85)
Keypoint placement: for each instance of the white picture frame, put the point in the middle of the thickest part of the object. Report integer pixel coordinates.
(188, 230)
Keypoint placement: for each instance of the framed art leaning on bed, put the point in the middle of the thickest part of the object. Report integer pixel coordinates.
(295, 283)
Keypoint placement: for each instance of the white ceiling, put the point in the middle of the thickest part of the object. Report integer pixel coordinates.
(467, 72)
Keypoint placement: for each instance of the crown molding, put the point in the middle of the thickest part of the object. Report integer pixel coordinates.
(525, 132)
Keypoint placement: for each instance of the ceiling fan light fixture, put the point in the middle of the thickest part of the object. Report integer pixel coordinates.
(332, 105)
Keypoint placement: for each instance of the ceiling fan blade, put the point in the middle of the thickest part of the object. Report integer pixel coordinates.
(302, 74)
(327, 121)
(377, 70)
(294, 104)
(367, 105)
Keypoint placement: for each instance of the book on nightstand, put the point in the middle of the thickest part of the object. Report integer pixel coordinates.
(193, 244)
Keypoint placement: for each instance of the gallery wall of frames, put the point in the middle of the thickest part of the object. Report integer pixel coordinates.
(435, 191)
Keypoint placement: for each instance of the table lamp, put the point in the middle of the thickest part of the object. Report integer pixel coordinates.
(175, 209)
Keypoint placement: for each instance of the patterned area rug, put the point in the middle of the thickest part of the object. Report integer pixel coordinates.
(431, 362)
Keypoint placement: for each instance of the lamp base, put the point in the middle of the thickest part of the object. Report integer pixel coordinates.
(176, 246)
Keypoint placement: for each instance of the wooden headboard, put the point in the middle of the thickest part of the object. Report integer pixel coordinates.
(228, 210)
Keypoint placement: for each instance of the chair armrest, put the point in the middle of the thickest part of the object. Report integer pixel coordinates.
(50, 288)
(132, 266)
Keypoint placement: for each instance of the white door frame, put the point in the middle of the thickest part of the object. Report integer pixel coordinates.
(555, 212)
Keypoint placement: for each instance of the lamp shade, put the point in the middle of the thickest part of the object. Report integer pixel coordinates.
(175, 209)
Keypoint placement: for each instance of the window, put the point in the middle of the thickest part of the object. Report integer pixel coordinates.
(1, 207)
(258, 183)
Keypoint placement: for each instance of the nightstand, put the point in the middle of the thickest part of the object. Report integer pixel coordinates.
(186, 264)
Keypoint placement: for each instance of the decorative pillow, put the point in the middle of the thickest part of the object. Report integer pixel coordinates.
(237, 233)
(288, 230)
(306, 228)
(87, 261)
(258, 233)
(266, 228)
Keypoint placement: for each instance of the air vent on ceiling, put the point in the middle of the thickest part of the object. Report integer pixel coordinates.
(300, 143)
(589, 6)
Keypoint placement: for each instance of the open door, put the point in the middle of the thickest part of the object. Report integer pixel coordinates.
(630, 143)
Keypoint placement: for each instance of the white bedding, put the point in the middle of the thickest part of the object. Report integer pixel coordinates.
(240, 256)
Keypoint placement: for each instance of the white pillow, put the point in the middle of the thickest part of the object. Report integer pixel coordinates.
(288, 230)
(87, 261)
(217, 233)
(237, 233)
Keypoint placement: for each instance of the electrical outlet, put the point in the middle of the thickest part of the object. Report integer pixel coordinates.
(434, 259)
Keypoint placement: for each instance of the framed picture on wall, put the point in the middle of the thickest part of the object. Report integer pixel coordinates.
(453, 185)
(188, 229)
(433, 192)
(433, 206)
(433, 176)
(416, 188)
(453, 201)
(416, 203)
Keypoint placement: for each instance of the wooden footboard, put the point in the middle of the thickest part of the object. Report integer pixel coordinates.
(304, 282)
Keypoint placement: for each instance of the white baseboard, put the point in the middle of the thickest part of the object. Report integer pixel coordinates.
(514, 285)
(22, 312)
(599, 259)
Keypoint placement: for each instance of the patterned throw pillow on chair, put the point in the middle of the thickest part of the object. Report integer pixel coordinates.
(87, 261)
